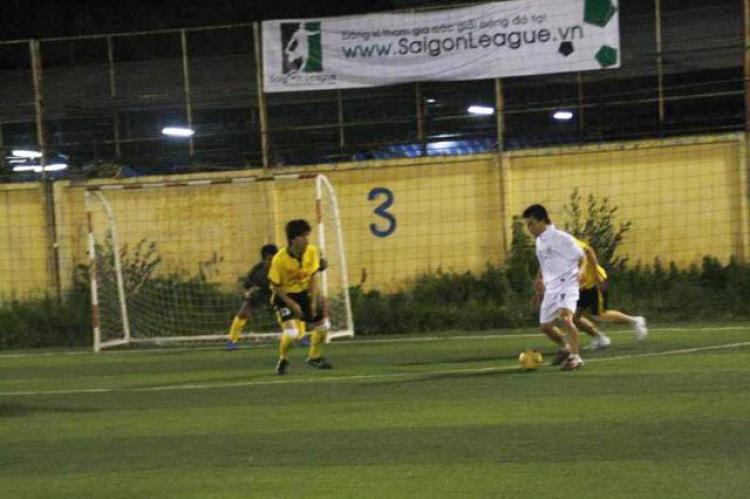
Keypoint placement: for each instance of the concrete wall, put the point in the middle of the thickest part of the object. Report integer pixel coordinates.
(686, 198)
(23, 242)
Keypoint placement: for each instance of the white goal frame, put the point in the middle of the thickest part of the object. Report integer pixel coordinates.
(96, 194)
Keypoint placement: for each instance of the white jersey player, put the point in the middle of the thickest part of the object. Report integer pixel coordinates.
(557, 284)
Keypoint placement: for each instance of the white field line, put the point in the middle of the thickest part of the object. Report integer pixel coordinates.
(367, 341)
(346, 379)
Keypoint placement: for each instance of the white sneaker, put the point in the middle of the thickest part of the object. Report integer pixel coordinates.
(573, 363)
(639, 326)
(600, 342)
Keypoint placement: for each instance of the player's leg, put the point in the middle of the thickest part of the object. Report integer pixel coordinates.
(291, 330)
(317, 336)
(615, 316)
(600, 340)
(586, 300)
(586, 326)
(574, 360)
(238, 323)
(553, 333)
(547, 318)
(638, 323)
(591, 300)
(564, 301)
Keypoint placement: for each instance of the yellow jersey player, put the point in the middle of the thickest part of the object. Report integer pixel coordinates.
(593, 301)
(294, 283)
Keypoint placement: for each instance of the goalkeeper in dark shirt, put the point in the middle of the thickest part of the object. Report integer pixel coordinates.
(256, 292)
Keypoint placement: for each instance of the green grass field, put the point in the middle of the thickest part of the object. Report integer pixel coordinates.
(446, 416)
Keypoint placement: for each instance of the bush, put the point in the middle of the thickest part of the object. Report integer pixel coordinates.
(713, 291)
(445, 301)
(597, 226)
(47, 322)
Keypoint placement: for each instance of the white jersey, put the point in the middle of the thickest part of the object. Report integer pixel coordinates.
(559, 255)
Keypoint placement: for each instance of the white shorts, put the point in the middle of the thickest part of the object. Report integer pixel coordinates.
(555, 299)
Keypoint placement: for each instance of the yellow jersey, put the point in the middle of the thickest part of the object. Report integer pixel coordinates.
(588, 277)
(293, 274)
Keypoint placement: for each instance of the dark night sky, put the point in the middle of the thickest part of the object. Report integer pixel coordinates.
(20, 19)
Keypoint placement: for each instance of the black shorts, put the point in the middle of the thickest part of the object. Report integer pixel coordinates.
(593, 300)
(302, 299)
(258, 299)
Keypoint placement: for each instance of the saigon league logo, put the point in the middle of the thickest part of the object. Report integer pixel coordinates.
(302, 52)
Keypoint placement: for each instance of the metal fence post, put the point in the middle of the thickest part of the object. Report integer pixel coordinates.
(53, 266)
(262, 109)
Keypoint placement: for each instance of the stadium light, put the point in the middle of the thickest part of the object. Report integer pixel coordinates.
(481, 110)
(23, 153)
(171, 131)
(54, 167)
(563, 115)
(445, 145)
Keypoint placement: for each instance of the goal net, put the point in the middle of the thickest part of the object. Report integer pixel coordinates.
(167, 260)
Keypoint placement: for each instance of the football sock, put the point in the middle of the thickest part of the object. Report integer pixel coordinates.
(236, 329)
(316, 339)
(284, 345)
(287, 341)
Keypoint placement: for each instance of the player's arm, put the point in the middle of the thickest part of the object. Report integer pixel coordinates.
(581, 264)
(254, 280)
(247, 286)
(573, 250)
(538, 289)
(593, 262)
(281, 294)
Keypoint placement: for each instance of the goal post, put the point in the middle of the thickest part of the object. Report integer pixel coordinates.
(166, 259)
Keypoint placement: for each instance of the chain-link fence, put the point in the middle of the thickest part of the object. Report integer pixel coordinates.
(99, 103)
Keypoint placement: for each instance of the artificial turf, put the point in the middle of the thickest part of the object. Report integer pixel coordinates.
(449, 415)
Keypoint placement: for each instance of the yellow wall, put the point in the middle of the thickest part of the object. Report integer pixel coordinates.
(447, 216)
(23, 242)
(686, 198)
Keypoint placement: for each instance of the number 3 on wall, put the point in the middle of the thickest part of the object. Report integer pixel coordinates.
(382, 211)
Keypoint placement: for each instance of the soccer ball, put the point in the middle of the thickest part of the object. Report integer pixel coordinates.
(530, 359)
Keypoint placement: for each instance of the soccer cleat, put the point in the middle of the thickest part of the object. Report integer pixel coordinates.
(562, 356)
(319, 363)
(231, 345)
(281, 367)
(573, 363)
(600, 342)
(639, 326)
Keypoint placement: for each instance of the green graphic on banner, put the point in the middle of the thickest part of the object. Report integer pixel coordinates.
(598, 12)
(315, 53)
(607, 56)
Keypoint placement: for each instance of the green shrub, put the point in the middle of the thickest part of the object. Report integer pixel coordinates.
(46, 322)
(597, 226)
